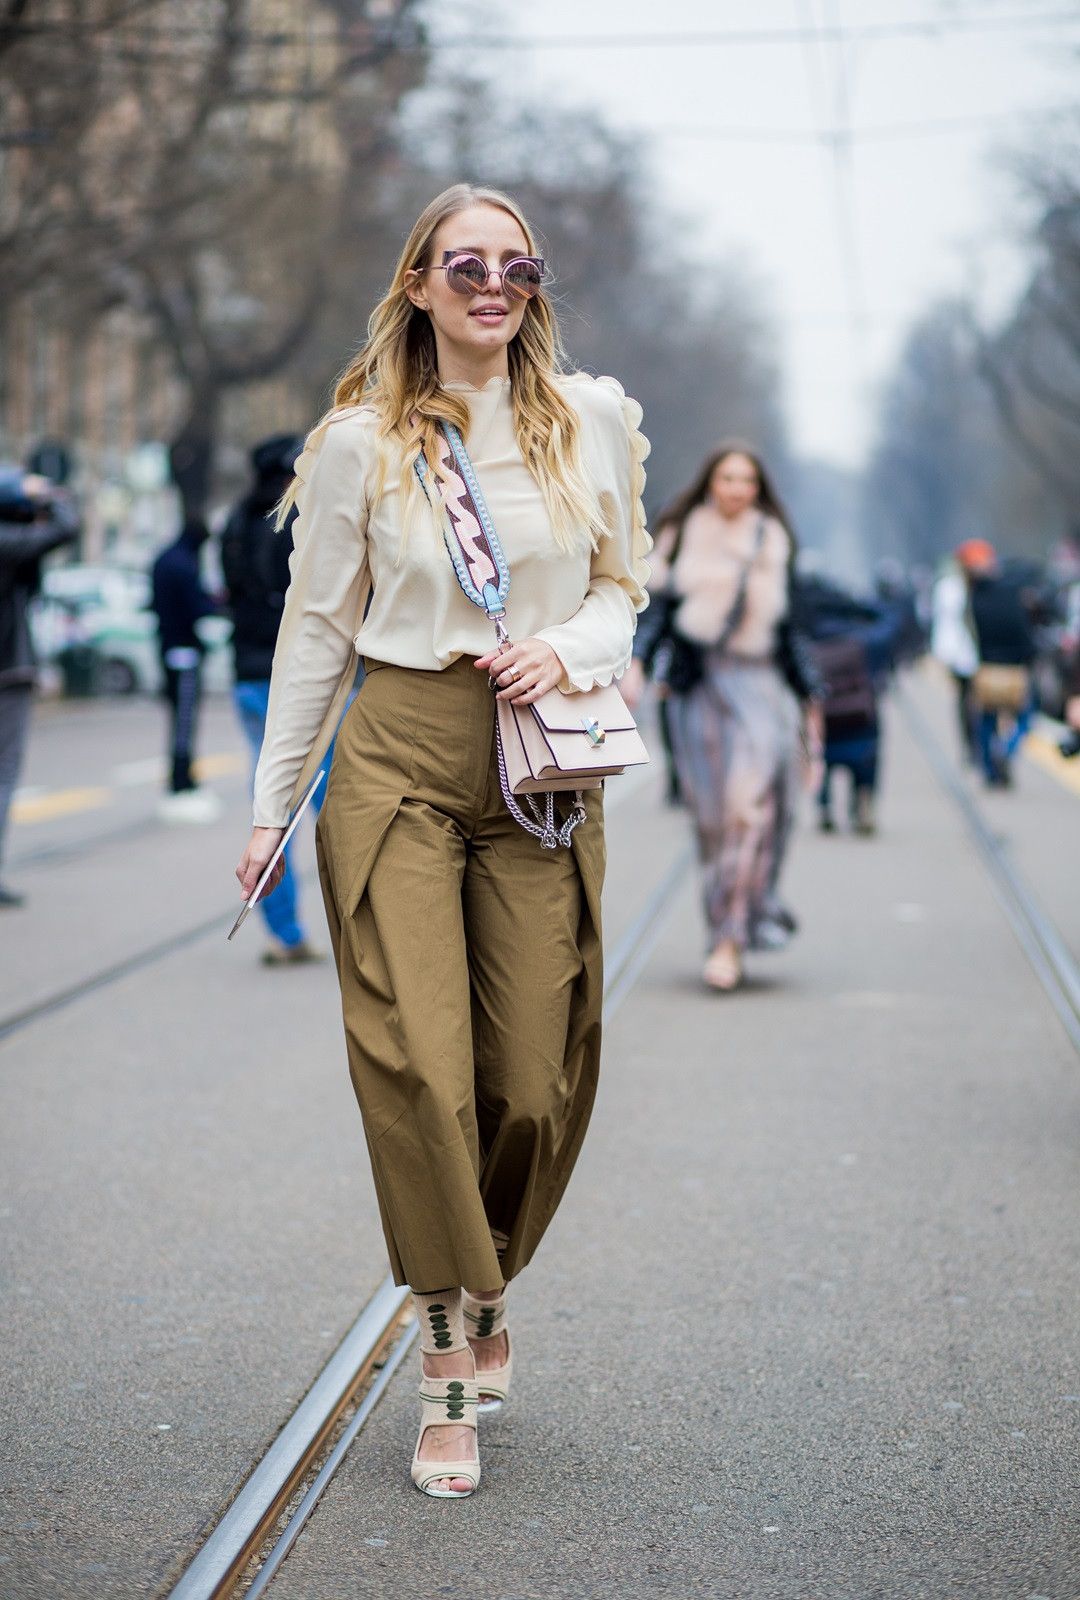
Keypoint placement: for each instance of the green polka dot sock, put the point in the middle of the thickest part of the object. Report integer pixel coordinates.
(483, 1318)
(442, 1326)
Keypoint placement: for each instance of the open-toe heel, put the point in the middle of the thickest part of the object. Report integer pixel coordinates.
(485, 1319)
(446, 1401)
(723, 970)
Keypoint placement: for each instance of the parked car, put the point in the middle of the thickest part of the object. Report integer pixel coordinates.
(94, 623)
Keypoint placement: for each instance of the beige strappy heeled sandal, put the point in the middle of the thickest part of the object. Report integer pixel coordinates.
(443, 1401)
(484, 1319)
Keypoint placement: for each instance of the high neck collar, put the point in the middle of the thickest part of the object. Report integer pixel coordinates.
(464, 387)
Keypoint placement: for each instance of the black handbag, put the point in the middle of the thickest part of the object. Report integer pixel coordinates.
(796, 663)
(677, 663)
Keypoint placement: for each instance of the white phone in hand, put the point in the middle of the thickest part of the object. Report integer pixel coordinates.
(264, 878)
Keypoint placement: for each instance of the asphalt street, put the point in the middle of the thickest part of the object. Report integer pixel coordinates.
(805, 1327)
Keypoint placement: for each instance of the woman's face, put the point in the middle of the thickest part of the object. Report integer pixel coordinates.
(734, 485)
(476, 328)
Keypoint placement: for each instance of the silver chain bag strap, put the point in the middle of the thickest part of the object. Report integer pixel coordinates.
(560, 742)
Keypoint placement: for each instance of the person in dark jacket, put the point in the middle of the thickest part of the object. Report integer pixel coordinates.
(854, 643)
(255, 561)
(1005, 638)
(33, 521)
(180, 601)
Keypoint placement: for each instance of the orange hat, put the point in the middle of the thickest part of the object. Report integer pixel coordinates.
(976, 555)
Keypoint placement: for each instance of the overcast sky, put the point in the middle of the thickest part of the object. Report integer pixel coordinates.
(848, 261)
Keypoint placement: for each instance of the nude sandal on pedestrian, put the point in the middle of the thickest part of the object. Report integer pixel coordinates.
(444, 1402)
(485, 1319)
(723, 971)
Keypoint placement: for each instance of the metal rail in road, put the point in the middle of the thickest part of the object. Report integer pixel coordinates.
(376, 1344)
(16, 1021)
(1040, 941)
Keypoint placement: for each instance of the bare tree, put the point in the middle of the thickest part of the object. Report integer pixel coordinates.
(944, 468)
(202, 172)
(1032, 366)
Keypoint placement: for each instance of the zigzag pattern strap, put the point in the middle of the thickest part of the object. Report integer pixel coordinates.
(469, 532)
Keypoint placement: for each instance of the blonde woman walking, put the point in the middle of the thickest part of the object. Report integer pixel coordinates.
(469, 957)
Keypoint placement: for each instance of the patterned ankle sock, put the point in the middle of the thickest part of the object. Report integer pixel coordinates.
(483, 1318)
(442, 1326)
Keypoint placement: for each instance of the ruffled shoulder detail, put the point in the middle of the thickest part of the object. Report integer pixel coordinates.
(619, 404)
(305, 461)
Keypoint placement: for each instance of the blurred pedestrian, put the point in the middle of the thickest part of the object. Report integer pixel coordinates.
(722, 645)
(255, 561)
(1002, 690)
(181, 602)
(34, 519)
(469, 956)
(952, 636)
(898, 590)
(853, 643)
(1070, 745)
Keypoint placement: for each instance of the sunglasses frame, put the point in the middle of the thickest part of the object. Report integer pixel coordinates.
(450, 256)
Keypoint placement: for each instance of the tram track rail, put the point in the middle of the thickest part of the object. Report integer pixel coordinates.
(255, 1533)
(80, 849)
(1046, 951)
(248, 1545)
(15, 1022)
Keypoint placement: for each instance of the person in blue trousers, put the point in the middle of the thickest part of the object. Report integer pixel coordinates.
(255, 562)
(1005, 637)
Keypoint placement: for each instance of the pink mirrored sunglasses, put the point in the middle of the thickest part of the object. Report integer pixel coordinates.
(523, 277)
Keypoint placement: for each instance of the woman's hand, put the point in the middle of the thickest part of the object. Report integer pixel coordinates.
(524, 671)
(632, 684)
(1072, 712)
(264, 841)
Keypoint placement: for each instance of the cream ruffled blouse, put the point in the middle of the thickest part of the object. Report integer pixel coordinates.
(348, 550)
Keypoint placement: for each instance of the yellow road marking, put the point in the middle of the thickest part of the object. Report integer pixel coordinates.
(220, 766)
(1046, 755)
(62, 803)
(68, 802)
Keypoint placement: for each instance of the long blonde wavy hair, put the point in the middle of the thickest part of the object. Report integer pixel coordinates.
(395, 372)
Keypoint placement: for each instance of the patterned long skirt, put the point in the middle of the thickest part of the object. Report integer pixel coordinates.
(736, 744)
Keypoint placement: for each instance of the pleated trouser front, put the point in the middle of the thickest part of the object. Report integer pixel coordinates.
(470, 965)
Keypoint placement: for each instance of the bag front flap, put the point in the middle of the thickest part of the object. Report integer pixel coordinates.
(574, 713)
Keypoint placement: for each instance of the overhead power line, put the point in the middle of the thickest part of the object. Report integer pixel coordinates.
(830, 33)
(830, 136)
(410, 38)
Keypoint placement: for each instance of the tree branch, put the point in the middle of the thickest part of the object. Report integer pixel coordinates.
(1067, 407)
(1009, 412)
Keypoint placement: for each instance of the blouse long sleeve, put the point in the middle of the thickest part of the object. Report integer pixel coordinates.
(594, 645)
(315, 659)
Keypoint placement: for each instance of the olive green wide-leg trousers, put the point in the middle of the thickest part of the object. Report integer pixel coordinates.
(470, 965)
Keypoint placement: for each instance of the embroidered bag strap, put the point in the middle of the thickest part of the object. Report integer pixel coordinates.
(484, 575)
(468, 531)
